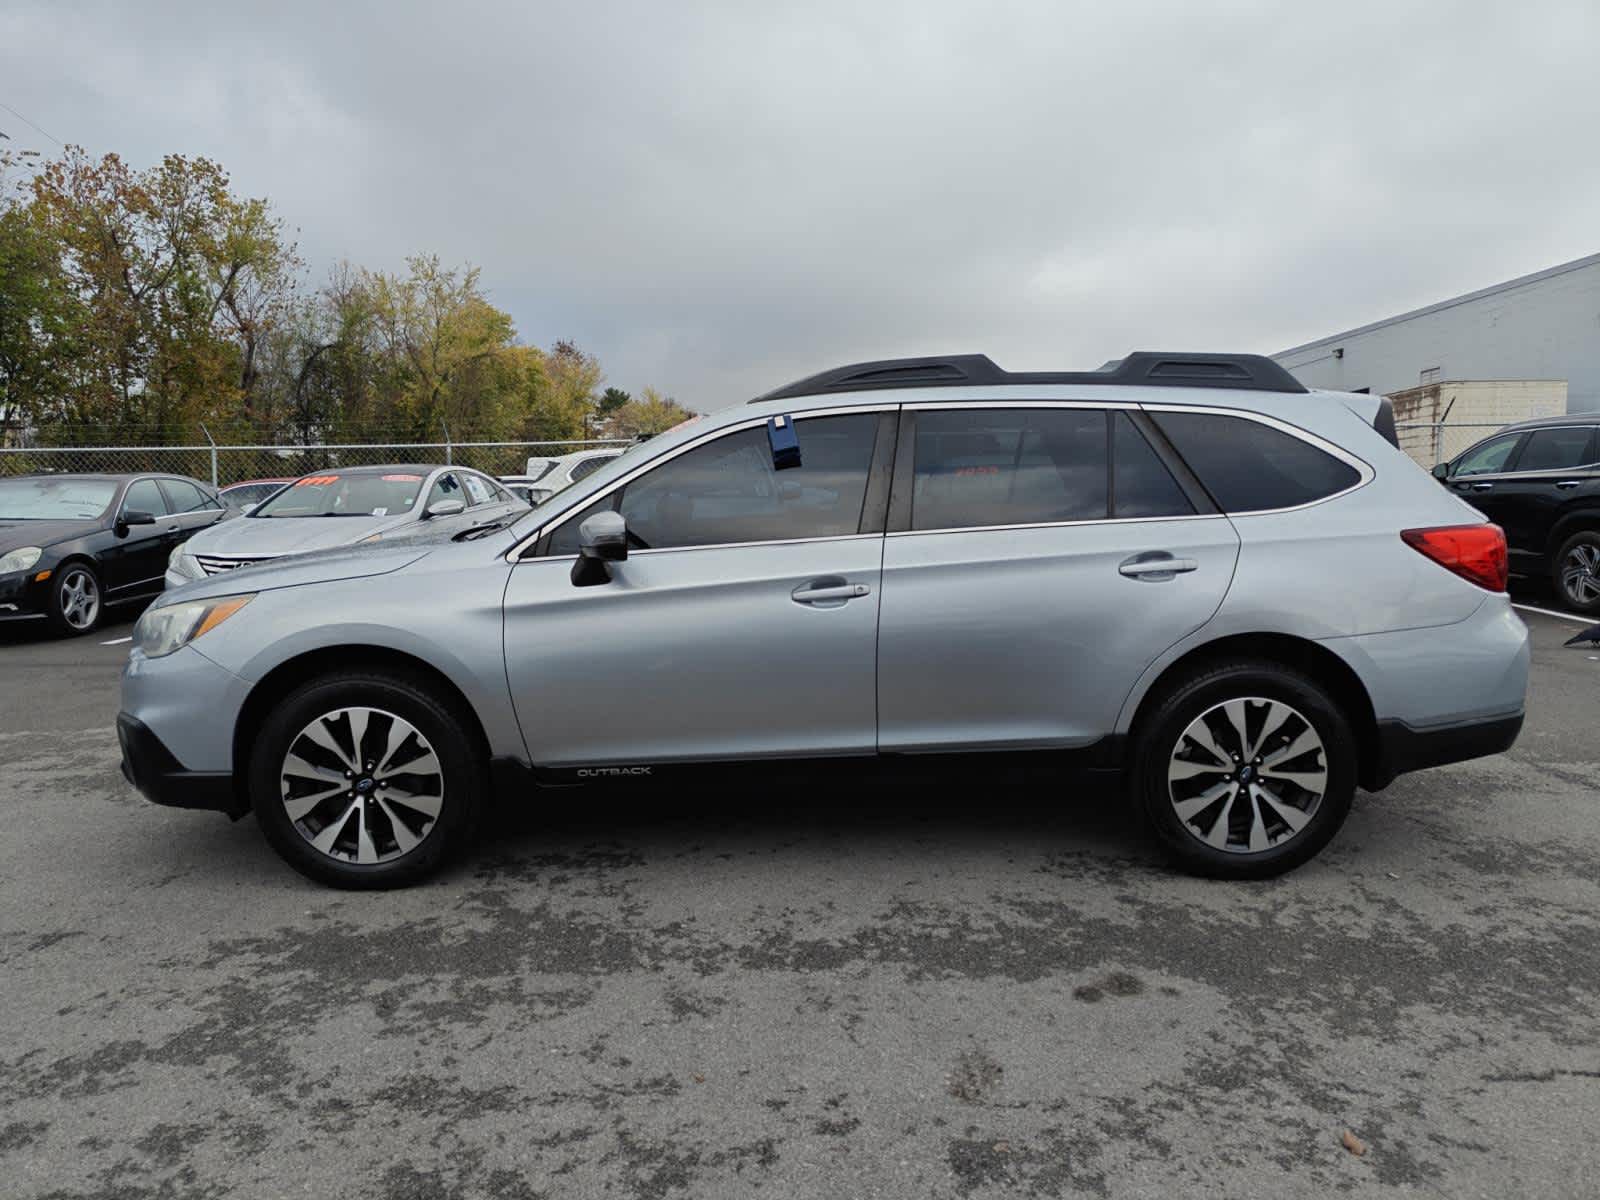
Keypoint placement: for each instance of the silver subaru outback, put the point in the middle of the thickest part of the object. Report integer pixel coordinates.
(1188, 568)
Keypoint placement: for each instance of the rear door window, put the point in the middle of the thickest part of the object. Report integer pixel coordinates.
(477, 491)
(186, 497)
(1248, 466)
(1008, 466)
(1141, 485)
(1559, 448)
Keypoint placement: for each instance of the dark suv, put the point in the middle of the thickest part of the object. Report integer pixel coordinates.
(1540, 482)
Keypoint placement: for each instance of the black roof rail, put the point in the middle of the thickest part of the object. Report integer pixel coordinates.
(1143, 368)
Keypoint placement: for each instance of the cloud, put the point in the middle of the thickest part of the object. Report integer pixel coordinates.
(716, 198)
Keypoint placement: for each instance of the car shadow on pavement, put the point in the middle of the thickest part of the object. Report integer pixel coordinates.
(932, 801)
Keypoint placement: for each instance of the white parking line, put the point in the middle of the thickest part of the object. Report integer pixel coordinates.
(117, 641)
(1552, 613)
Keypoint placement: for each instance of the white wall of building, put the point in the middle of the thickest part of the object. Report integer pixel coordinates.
(1539, 327)
(1437, 422)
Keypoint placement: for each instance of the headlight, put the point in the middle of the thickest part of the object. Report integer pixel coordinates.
(181, 563)
(19, 560)
(172, 626)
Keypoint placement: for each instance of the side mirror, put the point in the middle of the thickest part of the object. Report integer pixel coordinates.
(249, 508)
(602, 539)
(445, 508)
(1441, 471)
(133, 517)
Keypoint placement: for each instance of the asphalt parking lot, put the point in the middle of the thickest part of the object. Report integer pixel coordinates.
(965, 985)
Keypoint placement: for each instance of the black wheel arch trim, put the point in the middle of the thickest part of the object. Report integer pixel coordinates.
(158, 775)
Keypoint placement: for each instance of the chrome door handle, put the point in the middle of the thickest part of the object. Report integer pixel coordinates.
(173, 528)
(1568, 483)
(1140, 567)
(808, 594)
(1483, 487)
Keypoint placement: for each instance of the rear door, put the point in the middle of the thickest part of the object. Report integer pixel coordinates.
(1554, 469)
(1039, 557)
(193, 509)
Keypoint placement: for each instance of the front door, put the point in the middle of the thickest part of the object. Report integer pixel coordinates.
(136, 560)
(743, 622)
(1038, 559)
(1477, 475)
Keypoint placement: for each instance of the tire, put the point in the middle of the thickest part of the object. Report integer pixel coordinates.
(77, 599)
(1575, 572)
(1184, 789)
(403, 817)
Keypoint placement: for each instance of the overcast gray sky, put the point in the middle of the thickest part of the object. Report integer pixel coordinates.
(715, 198)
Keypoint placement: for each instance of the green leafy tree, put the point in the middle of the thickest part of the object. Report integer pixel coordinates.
(650, 414)
(169, 283)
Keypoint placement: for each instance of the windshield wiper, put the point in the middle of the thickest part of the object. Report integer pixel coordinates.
(478, 531)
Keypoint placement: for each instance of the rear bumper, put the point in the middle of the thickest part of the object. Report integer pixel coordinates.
(1402, 749)
(149, 766)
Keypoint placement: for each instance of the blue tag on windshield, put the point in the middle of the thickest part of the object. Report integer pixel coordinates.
(785, 445)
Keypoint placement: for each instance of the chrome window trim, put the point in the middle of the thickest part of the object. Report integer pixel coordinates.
(1216, 516)
(514, 555)
(956, 402)
(806, 541)
(1364, 471)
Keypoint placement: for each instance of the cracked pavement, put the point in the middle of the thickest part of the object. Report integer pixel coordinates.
(946, 983)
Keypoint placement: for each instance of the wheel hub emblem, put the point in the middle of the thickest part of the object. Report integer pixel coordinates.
(364, 784)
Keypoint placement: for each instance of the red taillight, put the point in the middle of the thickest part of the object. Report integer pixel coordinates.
(1475, 552)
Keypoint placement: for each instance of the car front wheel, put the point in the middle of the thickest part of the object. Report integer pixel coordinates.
(366, 780)
(75, 599)
(1245, 769)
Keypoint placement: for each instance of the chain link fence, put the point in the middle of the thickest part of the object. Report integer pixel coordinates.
(1426, 442)
(222, 465)
(1432, 442)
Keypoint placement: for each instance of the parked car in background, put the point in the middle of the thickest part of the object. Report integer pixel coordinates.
(346, 506)
(527, 488)
(1540, 481)
(247, 493)
(554, 474)
(73, 545)
(1186, 568)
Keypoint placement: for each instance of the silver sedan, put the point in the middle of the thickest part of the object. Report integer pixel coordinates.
(346, 507)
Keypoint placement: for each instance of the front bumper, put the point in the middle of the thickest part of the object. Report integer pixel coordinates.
(22, 598)
(1402, 749)
(149, 766)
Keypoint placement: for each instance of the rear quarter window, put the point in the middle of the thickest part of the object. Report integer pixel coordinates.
(1251, 467)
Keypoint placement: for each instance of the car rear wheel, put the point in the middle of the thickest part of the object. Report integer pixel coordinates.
(1245, 769)
(366, 780)
(1576, 571)
(76, 602)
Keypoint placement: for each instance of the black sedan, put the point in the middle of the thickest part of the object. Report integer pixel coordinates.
(73, 545)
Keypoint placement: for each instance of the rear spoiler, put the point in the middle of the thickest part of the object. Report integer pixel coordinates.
(1383, 422)
(1375, 409)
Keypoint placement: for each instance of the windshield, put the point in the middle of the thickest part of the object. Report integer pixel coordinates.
(49, 499)
(331, 494)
